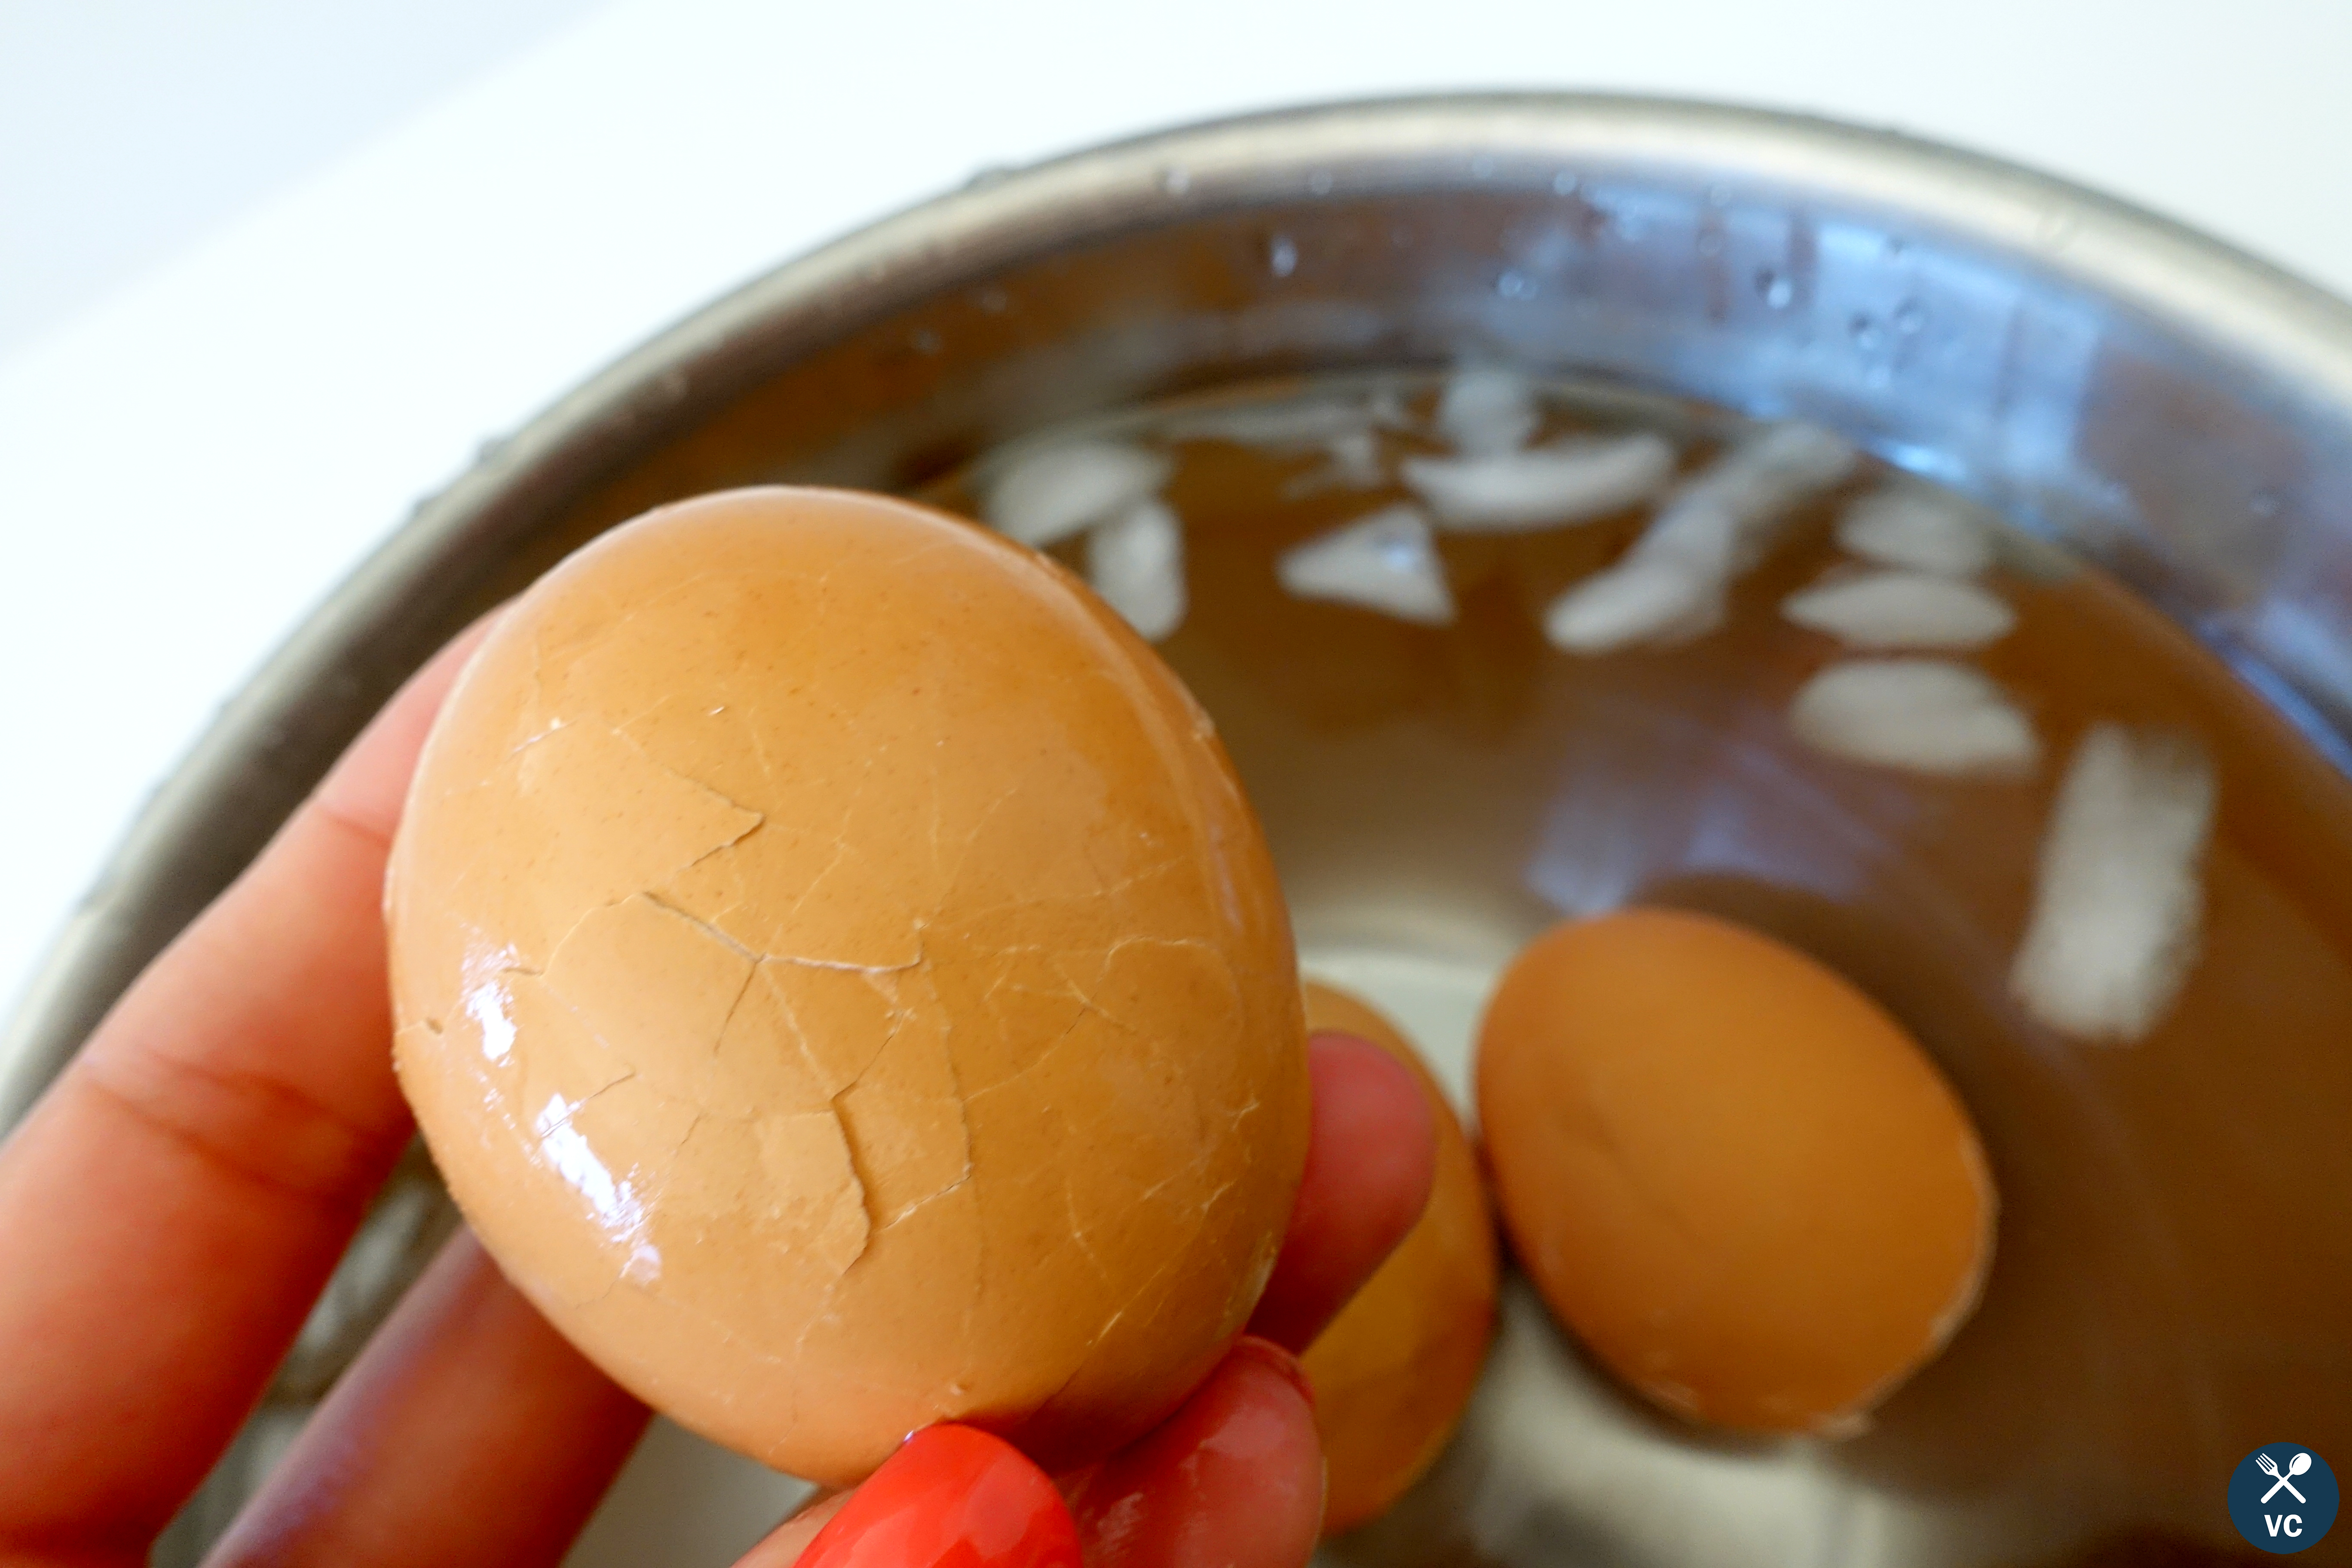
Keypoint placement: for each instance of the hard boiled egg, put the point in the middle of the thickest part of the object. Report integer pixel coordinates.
(1731, 1174)
(845, 988)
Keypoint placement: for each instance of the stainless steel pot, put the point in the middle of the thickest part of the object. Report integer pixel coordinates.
(2162, 404)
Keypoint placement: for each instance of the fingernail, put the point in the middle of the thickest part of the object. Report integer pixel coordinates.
(1272, 1355)
(951, 1494)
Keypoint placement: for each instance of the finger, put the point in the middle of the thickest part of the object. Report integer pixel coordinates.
(782, 1547)
(468, 1435)
(1235, 1480)
(949, 1495)
(178, 1197)
(1370, 1158)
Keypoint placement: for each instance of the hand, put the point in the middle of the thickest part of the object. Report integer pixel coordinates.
(178, 1198)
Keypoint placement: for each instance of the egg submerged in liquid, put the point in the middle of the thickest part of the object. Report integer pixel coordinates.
(845, 988)
(1393, 1372)
(1736, 1179)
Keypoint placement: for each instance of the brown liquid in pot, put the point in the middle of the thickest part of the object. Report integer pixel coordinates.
(2173, 1282)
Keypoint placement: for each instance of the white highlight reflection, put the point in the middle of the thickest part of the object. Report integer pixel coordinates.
(486, 1005)
(565, 1149)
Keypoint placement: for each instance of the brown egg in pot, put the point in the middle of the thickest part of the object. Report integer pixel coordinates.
(844, 986)
(1395, 1371)
(1730, 1173)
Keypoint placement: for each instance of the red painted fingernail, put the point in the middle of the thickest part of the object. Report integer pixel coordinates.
(952, 1497)
(1272, 1355)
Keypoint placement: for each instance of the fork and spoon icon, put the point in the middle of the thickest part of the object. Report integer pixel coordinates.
(2269, 1467)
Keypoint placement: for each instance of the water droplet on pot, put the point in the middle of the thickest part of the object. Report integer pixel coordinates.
(1865, 332)
(1516, 285)
(1176, 180)
(1774, 290)
(1319, 183)
(1282, 255)
(1563, 183)
(1910, 318)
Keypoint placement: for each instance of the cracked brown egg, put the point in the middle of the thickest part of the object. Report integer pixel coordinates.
(1739, 1180)
(1395, 1368)
(844, 984)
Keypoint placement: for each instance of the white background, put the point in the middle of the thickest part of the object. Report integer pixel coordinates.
(269, 270)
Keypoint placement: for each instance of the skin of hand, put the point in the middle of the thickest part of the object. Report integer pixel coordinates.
(177, 1199)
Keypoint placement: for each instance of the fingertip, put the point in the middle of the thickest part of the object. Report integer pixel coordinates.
(1235, 1480)
(782, 1547)
(1370, 1162)
(1266, 1353)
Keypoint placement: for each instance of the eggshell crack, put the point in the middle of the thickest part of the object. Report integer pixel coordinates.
(841, 982)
